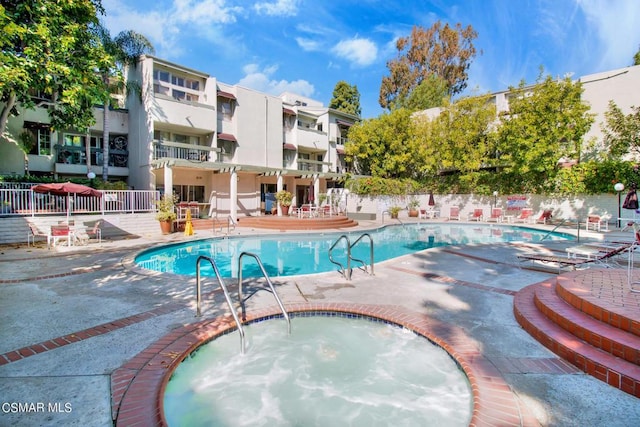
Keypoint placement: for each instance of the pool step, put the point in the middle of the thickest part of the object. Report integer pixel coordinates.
(276, 223)
(555, 313)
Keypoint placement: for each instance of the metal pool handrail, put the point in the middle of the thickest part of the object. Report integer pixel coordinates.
(226, 295)
(345, 272)
(370, 252)
(266, 276)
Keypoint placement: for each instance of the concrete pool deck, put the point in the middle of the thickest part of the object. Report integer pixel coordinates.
(72, 320)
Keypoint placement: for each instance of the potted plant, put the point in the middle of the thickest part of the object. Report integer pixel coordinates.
(285, 198)
(394, 210)
(166, 213)
(412, 206)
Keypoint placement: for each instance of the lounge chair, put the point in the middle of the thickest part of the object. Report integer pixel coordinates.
(59, 232)
(545, 217)
(454, 213)
(601, 257)
(34, 232)
(96, 231)
(476, 215)
(597, 223)
(496, 215)
(526, 215)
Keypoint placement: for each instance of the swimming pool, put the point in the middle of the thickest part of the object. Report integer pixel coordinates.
(331, 370)
(296, 254)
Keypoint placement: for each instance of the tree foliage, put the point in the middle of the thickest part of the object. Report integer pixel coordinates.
(636, 58)
(440, 50)
(47, 47)
(467, 147)
(460, 138)
(346, 98)
(431, 92)
(124, 50)
(621, 132)
(383, 147)
(545, 122)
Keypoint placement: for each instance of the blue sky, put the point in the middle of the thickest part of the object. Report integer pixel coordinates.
(307, 46)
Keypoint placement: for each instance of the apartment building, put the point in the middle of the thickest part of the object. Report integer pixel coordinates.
(226, 147)
(69, 152)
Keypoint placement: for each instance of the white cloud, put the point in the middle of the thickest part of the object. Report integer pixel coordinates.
(261, 80)
(166, 28)
(308, 45)
(360, 52)
(616, 24)
(278, 8)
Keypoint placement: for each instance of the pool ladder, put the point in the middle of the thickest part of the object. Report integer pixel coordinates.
(346, 272)
(228, 297)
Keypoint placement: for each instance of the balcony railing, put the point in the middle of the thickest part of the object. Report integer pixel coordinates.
(78, 156)
(191, 152)
(313, 165)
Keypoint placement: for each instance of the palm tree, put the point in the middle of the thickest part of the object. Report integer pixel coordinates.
(125, 50)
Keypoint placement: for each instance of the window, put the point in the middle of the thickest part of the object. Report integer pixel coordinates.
(95, 142)
(161, 135)
(192, 98)
(320, 127)
(74, 140)
(44, 142)
(226, 109)
(193, 84)
(178, 81)
(163, 76)
(160, 89)
(180, 138)
(189, 193)
(227, 147)
(178, 94)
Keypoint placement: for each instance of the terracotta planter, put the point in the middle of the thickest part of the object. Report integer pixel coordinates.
(165, 226)
(285, 210)
(413, 213)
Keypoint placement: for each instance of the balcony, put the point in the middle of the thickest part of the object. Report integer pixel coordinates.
(72, 155)
(179, 150)
(313, 165)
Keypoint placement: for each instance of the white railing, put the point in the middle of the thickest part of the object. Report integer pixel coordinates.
(26, 202)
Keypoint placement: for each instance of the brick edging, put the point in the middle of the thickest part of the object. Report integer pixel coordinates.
(138, 386)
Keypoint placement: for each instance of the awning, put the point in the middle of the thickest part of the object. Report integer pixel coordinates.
(340, 150)
(288, 111)
(289, 147)
(227, 137)
(227, 95)
(36, 125)
(343, 123)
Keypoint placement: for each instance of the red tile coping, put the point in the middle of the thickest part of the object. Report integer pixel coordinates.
(138, 386)
(614, 371)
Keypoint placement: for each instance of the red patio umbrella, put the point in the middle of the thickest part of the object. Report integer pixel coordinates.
(431, 202)
(66, 189)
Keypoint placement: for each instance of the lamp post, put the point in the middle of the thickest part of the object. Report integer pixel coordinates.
(619, 187)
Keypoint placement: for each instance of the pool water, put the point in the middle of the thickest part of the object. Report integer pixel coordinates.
(330, 371)
(288, 255)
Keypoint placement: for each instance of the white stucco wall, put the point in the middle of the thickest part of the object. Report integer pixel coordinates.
(571, 208)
